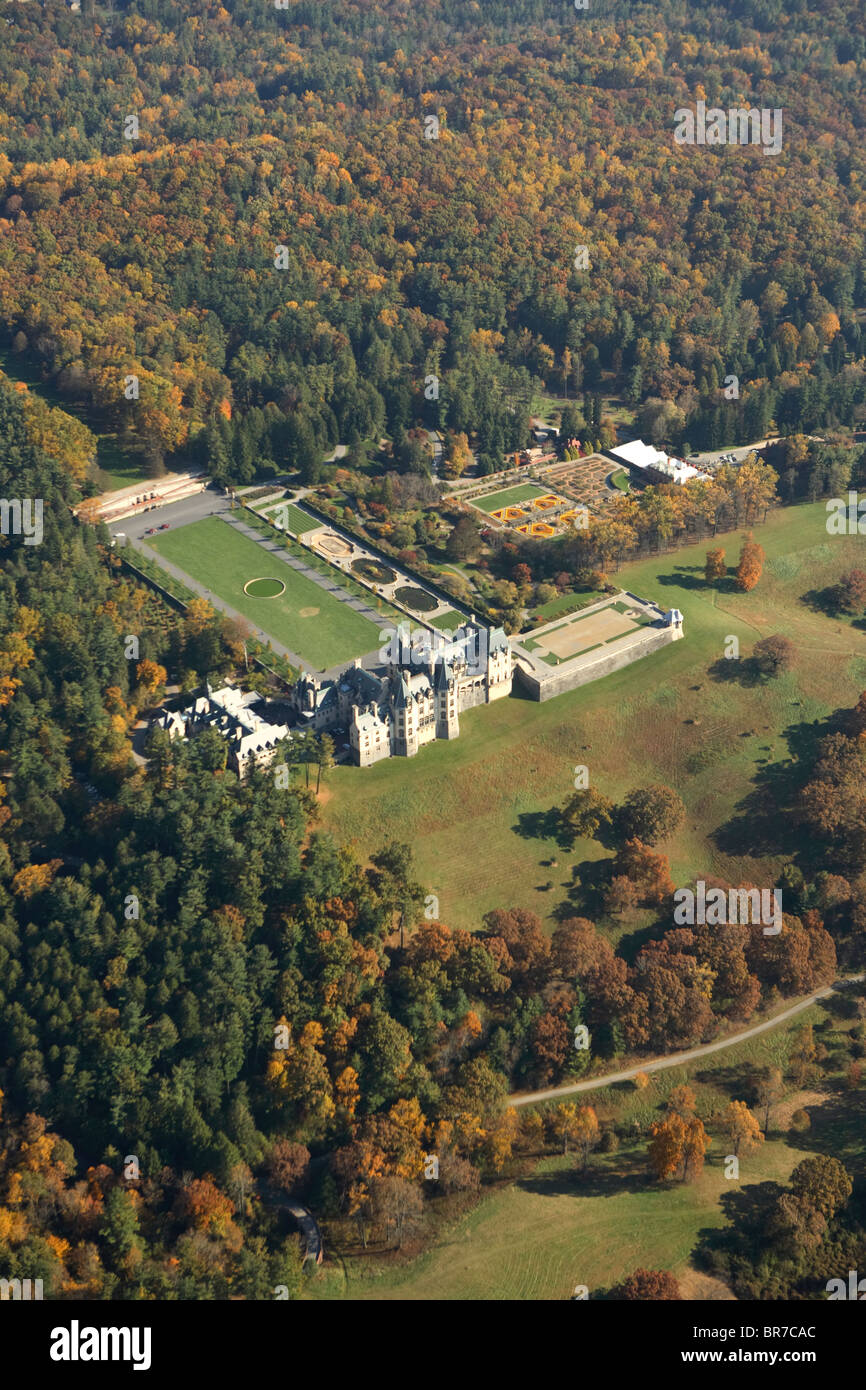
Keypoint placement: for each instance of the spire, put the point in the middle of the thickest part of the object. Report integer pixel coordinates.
(401, 699)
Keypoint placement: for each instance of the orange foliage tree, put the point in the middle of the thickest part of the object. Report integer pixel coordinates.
(751, 565)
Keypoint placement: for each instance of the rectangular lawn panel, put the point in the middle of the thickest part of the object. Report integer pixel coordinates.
(299, 522)
(449, 620)
(509, 497)
(565, 603)
(306, 618)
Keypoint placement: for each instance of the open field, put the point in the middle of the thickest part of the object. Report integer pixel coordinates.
(548, 406)
(306, 619)
(474, 809)
(508, 497)
(539, 1237)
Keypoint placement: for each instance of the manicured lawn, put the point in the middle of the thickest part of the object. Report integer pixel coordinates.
(264, 588)
(473, 808)
(298, 522)
(118, 467)
(509, 497)
(620, 480)
(565, 603)
(306, 619)
(448, 620)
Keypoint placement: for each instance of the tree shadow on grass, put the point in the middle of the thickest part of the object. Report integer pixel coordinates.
(543, 825)
(746, 1207)
(731, 1079)
(584, 893)
(825, 601)
(626, 1174)
(692, 577)
(631, 942)
(764, 820)
(763, 823)
(837, 1127)
(737, 670)
(550, 825)
(685, 580)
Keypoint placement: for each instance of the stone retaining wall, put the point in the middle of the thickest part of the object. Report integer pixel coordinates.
(579, 672)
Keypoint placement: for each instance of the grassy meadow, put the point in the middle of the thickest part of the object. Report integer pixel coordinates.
(539, 1237)
(474, 809)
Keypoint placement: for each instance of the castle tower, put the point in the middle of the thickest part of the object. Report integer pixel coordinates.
(499, 664)
(445, 693)
(405, 720)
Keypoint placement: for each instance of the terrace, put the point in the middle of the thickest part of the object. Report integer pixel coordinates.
(572, 650)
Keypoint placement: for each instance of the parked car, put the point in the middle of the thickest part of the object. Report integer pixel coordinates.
(164, 526)
(151, 531)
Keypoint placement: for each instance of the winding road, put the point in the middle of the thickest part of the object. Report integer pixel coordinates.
(677, 1059)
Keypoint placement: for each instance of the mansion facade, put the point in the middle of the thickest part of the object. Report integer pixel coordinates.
(393, 711)
(252, 739)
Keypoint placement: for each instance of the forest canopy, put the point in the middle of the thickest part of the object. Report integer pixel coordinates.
(304, 129)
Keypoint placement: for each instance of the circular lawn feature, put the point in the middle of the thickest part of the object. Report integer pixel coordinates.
(419, 599)
(372, 570)
(264, 588)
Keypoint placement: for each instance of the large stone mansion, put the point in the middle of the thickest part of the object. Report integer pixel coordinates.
(415, 695)
(395, 710)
